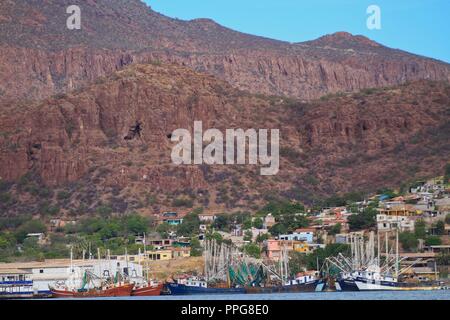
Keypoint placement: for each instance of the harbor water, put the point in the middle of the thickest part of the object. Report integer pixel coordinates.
(365, 295)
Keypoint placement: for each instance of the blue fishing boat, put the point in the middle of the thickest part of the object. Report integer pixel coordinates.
(303, 283)
(198, 287)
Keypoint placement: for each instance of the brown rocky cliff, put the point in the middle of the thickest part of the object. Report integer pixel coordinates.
(378, 137)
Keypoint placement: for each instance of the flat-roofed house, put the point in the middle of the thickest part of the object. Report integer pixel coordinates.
(207, 217)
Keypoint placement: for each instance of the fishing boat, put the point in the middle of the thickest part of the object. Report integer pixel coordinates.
(148, 289)
(346, 282)
(302, 283)
(287, 288)
(16, 286)
(375, 281)
(90, 285)
(365, 271)
(194, 286)
(273, 277)
(123, 290)
(216, 279)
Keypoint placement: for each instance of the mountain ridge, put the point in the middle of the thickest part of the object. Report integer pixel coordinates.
(51, 59)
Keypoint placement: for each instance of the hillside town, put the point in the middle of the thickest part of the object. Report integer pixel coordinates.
(174, 245)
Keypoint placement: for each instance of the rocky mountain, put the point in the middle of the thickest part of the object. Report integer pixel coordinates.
(40, 57)
(69, 151)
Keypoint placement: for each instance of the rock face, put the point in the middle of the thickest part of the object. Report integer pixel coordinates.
(40, 57)
(68, 99)
(378, 137)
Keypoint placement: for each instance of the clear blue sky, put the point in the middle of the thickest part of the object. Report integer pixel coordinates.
(417, 26)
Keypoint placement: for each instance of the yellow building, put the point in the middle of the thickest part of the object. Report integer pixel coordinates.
(301, 247)
(400, 211)
(156, 255)
(164, 254)
(182, 252)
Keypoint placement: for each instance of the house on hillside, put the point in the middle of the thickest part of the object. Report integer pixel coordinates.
(275, 246)
(401, 218)
(40, 237)
(268, 221)
(207, 217)
(304, 234)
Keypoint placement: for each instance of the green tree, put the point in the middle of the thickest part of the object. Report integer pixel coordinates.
(190, 225)
(262, 237)
(32, 226)
(252, 250)
(433, 241)
(408, 240)
(258, 223)
(221, 222)
(277, 229)
(364, 220)
(336, 229)
(196, 249)
(248, 235)
(136, 224)
(247, 224)
(214, 236)
(281, 207)
(311, 261)
(439, 228)
(420, 229)
(110, 230)
(3, 243)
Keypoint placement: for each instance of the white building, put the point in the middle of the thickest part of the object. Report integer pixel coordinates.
(392, 222)
(50, 272)
(207, 217)
(301, 235)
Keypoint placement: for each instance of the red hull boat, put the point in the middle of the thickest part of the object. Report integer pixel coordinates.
(150, 290)
(118, 291)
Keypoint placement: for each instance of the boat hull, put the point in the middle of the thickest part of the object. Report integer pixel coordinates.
(16, 289)
(148, 291)
(16, 295)
(304, 287)
(347, 285)
(372, 285)
(181, 289)
(120, 291)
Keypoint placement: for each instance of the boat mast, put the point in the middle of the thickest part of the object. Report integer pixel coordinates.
(71, 259)
(126, 261)
(387, 248)
(378, 249)
(396, 253)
